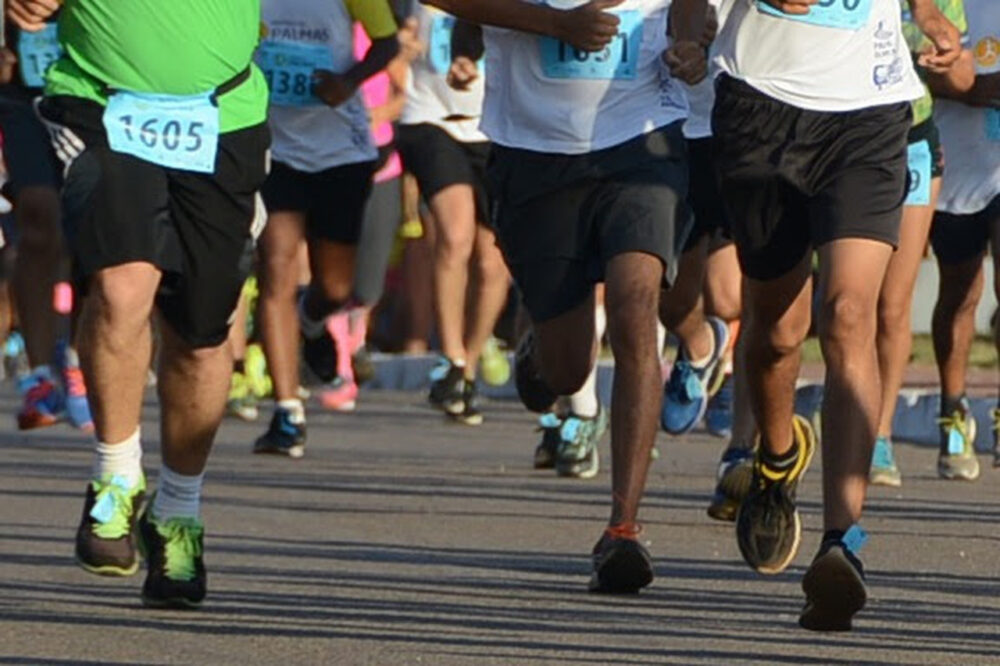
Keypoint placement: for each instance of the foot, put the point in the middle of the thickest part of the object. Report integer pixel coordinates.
(957, 457)
(447, 387)
(362, 365)
(884, 471)
(43, 404)
(241, 402)
(686, 393)
(255, 370)
(622, 565)
(835, 583)
(768, 529)
(719, 412)
(176, 572)
(471, 413)
(340, 395)
(578, 456)
(320, 355)
(732, 483)
(549, 424)
(74, 388)
(531, 388)
(105, 539)
(282, 437)
(493, 363)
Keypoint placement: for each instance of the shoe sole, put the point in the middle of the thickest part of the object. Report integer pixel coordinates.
(694, 422)
(342, 407)
(296, 451)
(33, 423)
(884, 479)
(570, 470)
(109, 571)
(176, 603)
(778, 567)
(475, 420)
(626, 572)
(834, 593)
(724, 509)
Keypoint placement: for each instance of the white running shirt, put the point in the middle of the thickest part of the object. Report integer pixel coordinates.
(850, 55)
(701, 96)
(971, 135)
(429, 98)
(309, 135)
(545, 96)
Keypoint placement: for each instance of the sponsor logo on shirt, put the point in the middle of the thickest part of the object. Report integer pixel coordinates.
(886, 76)
(987, 51)
(297, 32)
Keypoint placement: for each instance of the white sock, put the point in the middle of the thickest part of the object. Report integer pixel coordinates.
(177, 495)
(584, 402)
(123, 459)
(661, 337)
(311, 329)
(703, 362)
(296, 410)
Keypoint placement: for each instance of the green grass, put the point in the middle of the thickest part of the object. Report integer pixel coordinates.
(982, 355)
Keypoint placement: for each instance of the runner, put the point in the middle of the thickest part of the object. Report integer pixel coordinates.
(159, 115)
(589, 174)
(443, 148)
(967, 222)
(810, 121)
(321, 176)
(54, 387)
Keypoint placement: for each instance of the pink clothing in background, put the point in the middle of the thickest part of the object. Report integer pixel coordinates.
(376, 91)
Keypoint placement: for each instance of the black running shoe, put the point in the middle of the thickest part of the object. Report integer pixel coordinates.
(320, 356)
(768, 529)
(622, 565)
(105, 539)
(447, 387)
(282, 437)
(835, 583)
(176, 571)
(363, 366)
(732, 483)
(471, 413)
(531, 388)
(550, 426)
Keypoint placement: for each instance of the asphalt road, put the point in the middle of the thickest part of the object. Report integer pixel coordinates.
(401, 539)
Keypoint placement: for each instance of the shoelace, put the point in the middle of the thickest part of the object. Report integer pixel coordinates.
(683, 383)
(956, 422)
(882, 456)
(548, 422)
(570, 431)
(75, 385)
(112, 507)
(182, 545)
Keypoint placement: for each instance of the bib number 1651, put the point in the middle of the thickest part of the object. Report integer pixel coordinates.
(618, 60)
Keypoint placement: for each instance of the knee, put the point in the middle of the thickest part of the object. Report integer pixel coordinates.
(455, 242)
(772, 340)
(124, 295)
(724, 303)
(893, 317)
(491, 267)
(847, 319)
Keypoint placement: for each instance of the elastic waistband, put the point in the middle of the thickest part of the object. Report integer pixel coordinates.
(227, 86)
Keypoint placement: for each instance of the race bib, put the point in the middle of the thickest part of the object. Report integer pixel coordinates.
(172, 131)
(843, 14)
(993, 124)
(920, 161)
(289, 67)
(618, 60)
(35, 52)
(439, 49)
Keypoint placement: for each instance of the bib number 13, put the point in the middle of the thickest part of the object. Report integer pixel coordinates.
(844, 14)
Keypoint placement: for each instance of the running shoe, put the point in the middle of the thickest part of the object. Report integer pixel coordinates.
(363, 365)
(686, 393)
(549, 424)
(578, 456)
(255, 371)
(957, 458)
(340, 395)
(43, 404)
(768, 529)
(74, 388)
(732, 483)
(996, 437)
(719, 413)
(15, 356)
(884, 471)
(835, 582)
(282, 437)
(173, 549)
(320, 356)
(471, 413)
(531, 388)
(105, 539)
(242, 403)
(493, 363)
(621, 564)
(447, 386)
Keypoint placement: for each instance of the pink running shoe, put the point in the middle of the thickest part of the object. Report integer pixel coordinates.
(340, 395)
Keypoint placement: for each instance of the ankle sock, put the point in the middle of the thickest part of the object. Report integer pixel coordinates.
(177, 495)
(296, 410)
(952, 404)
(780, 464)
(122, 459)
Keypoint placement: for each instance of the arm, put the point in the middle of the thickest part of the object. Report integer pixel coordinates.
(958, 80)
(946, 41)
(377, 19)
(587, 27)
(984, 92)
(690, 32)
(392, 109)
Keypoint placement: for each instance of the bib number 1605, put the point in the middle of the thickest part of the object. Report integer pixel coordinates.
(173, 135)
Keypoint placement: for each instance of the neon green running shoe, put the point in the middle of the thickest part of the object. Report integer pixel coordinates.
(105, 539)
(173, 550)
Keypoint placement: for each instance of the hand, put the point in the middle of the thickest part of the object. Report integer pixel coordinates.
(410, 46)
(332, 89)
(946, 41)
(688, 61)
(463, 73)
(792, 6)
(711, 27)
(7, 63)
(30, 15)
(588, 27)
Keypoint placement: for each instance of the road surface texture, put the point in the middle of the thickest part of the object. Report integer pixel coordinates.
(402, 539)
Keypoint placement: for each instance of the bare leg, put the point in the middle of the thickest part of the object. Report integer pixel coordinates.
(489, 298)
(954, 322)
(681, 308)
(454, 210)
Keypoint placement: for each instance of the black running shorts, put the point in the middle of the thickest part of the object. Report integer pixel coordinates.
(333, 200)
(704, 198)
(31, 162)
(437, 160)
(560, 218)
(957, 239)
(197, 228)
(793, 179)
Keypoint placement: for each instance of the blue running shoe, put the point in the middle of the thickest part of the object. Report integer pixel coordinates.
(74, 387)
(685, 395)
(719, 414)
(884, 471)
(44, 403)
(282, 437)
